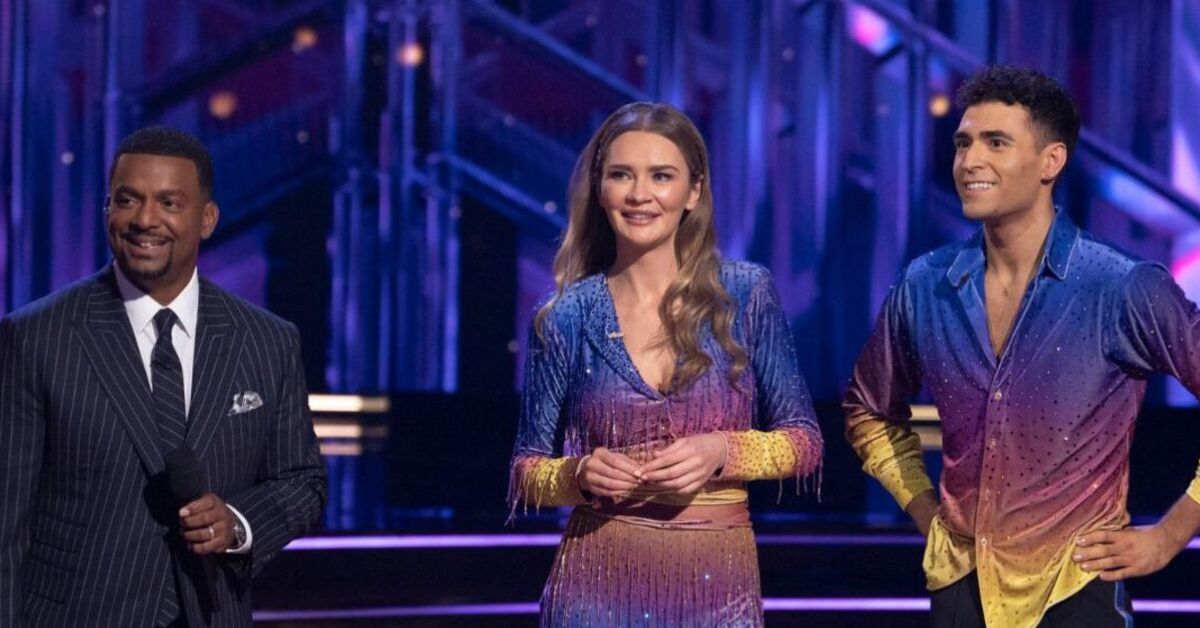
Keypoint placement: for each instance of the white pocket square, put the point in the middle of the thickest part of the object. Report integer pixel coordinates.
(244, 402)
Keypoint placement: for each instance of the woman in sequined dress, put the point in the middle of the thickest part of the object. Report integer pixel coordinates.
(659, 379)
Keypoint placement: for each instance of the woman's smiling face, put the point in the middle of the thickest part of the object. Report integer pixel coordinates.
(645, 188)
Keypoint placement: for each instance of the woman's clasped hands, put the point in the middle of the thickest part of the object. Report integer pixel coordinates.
(684, 467)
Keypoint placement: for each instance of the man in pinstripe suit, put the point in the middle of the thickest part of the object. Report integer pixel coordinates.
(104, 380)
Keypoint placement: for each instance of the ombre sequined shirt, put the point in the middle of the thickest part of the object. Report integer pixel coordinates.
(1035, 441)
(582, 391)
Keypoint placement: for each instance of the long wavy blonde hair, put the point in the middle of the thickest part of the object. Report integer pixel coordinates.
(695, 297)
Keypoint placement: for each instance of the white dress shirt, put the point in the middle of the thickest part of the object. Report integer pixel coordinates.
(141, 308)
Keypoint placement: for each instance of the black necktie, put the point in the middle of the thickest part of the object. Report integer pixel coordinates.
(166, 380)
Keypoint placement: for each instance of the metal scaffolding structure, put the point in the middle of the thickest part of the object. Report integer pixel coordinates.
(364, 146)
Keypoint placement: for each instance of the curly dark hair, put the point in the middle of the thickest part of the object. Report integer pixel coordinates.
(1053, 112)
(168, 142)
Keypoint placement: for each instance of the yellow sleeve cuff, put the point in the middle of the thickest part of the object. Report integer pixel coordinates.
(539, 481)
(891, 453)
(1193, 490)
(758, 455)
(905, 481)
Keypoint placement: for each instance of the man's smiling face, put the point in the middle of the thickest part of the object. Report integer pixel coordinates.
(157, 216)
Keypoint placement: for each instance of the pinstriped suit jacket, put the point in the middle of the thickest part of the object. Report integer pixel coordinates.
(86, 533)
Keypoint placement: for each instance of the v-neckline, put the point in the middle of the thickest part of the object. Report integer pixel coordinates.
(1022, 304)
(619, 336)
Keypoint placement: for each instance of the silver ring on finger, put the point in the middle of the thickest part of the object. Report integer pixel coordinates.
(211, 533)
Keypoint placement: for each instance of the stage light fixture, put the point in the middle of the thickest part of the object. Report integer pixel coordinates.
(870, 30)
(321, 403)
(303, 38)
(410, 54)
(223, 104)
(939, 105)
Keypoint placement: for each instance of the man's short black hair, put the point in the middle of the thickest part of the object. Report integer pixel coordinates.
(1051, 108)
(168, 142)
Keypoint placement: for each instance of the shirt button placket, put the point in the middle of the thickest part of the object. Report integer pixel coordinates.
(993, 418)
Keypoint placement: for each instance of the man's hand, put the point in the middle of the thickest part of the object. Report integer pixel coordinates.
(1126, 553)
(687, 464)
(923, 508)
(606, 473)
(1141, 550)
(207, 525)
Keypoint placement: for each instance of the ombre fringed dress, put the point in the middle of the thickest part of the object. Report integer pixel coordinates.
(658, 559)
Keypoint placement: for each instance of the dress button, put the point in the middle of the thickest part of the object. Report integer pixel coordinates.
(997, 396)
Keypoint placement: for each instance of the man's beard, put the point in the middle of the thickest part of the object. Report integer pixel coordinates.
(141, 274)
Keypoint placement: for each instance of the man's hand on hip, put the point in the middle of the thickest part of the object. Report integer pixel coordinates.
(1137, 551)
(1120, 554)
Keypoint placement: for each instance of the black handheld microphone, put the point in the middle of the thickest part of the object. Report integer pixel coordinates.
(186, 480)
(185, 475)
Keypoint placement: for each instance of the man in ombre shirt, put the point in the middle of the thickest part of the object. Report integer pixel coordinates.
(1034, 340)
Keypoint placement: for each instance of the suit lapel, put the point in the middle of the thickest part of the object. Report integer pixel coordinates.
(218, 345)
(111, 347)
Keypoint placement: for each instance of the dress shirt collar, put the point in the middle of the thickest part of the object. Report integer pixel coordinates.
(141, 307)
(1060, 243)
